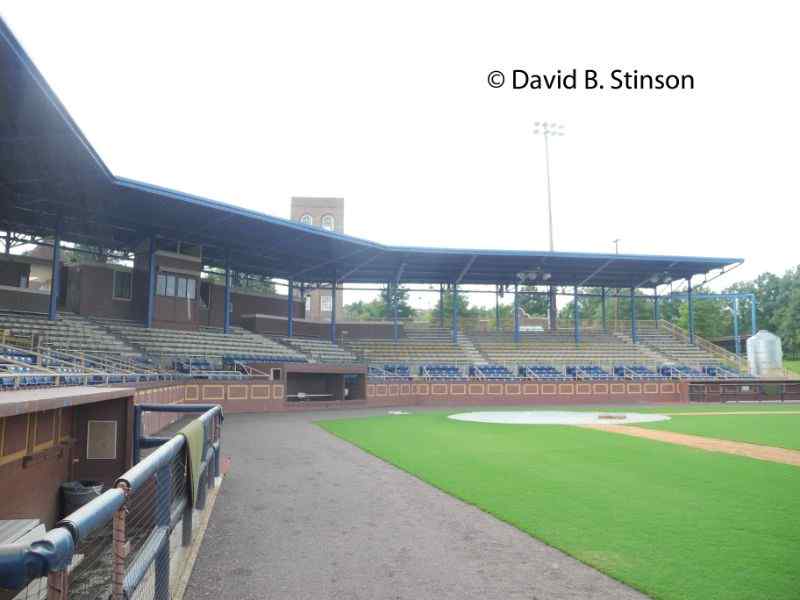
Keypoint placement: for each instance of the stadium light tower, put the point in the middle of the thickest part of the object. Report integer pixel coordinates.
(548, 130)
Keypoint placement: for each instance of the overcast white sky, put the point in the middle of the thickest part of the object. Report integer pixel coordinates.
(389, 107)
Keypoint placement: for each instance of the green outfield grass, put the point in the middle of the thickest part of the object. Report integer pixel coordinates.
(792, 365)
(667, 409)
(775, 429)
(674, 522)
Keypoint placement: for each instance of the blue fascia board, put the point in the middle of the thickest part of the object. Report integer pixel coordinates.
(421, 250)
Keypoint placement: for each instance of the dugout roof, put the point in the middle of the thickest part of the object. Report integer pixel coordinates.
(48, 168)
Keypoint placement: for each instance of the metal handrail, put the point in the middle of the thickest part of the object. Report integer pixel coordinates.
(725, 355)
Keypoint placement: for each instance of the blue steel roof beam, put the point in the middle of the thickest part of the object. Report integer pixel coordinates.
(358, 267)
(328, 262)
(649, 278)
(399, 274)
(466, 268)
(596, 272)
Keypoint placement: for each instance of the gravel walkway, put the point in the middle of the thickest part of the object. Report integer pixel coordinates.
(305, 515)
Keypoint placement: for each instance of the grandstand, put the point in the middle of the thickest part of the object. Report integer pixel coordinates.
(159, 297)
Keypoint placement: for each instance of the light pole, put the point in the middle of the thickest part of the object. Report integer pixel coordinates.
(548, 130)
(616, 245)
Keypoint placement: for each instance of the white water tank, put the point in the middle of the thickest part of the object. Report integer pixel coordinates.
(765, 355)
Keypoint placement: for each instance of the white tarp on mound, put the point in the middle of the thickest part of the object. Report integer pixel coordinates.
(557, 417)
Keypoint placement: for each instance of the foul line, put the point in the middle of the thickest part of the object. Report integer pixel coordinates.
(733, 412)
(768, 453)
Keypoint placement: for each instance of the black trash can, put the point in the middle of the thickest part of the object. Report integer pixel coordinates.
(78, 493)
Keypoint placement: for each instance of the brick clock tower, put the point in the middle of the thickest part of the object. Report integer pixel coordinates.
(327, 213)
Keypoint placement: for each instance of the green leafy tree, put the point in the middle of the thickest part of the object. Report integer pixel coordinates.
(380, 309)
(399, 295)
(461, 301)
(534, 305)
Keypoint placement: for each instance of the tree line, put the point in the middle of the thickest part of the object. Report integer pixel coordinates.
(777, 308)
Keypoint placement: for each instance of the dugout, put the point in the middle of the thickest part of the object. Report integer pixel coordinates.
(52, 435)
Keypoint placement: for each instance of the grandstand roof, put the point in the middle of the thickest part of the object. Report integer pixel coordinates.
(49, 168)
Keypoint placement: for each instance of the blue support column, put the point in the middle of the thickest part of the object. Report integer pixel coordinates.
(441, 305)
(736, 340)
(55, 277)
(151, 283)
(516, 313)
(576, 310)
(290, 310)
(303, 299)
(604, 309)
(396, 325)
(497, 309)
(656, 309)
(226, 303)
(333, 311)
(634, 334)
(690, 300)
(455, 313)
(753, 324)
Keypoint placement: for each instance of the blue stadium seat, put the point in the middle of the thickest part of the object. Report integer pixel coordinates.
(441, 372)
(491, 372)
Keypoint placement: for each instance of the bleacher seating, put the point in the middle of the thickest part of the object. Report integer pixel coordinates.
(238, 345)
(558, 348)
(205, 369)
(635, 371)
(69, 333)
(586, 372)
(319, 350)
(540, 372)
(399, 370)
(672, 349)
(441, 372)
(422, 346)
(490, 372)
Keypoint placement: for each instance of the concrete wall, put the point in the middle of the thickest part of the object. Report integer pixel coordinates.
(22, 299)
(90, 291)
(266, 395)
(269, 325)
(245, 303)
(465, 393)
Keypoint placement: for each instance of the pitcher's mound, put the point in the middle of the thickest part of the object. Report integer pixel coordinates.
(557, 417)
